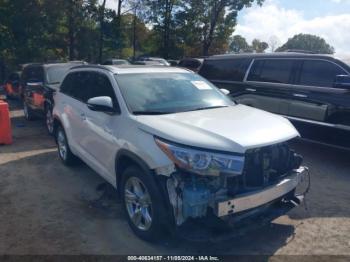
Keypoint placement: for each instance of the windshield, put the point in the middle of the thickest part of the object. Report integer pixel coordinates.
(55, 74)
(162, 93)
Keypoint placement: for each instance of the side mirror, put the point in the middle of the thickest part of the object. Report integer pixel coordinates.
(225, 91)
(342, 81)
(101, 104)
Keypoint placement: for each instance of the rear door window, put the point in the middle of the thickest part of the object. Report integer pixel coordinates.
(75, 85)
(272, 71)
(319, 73)
(225, 69)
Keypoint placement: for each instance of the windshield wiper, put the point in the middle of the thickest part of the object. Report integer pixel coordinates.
(151, 113)
(207, 107)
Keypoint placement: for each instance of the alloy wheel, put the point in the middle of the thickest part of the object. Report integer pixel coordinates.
(25, 110)
(138, 203)
(49, 121)
(62, 144)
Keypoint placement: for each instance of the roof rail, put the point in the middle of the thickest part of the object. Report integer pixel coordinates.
(300, 51)
(91, 66)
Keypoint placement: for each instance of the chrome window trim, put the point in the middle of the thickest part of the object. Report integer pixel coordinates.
(248, 70)
(302, 87)
(294, 85)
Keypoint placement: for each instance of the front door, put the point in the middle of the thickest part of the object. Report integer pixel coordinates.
(101, 132)
(314, 96)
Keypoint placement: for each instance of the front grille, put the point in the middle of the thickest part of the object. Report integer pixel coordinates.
(264, 166)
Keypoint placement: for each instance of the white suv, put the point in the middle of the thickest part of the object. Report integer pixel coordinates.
(174, 145)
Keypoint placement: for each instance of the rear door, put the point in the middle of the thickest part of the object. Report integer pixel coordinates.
(314, 96)
(73, 90)
(267, 84)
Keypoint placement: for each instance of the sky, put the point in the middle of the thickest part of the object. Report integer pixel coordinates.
(283, 19)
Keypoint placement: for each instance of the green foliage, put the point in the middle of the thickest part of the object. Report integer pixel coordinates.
(258, 46)
(239, 44)
(307, 42)
(47, 30)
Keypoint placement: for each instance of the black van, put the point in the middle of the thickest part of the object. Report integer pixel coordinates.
(311, 90)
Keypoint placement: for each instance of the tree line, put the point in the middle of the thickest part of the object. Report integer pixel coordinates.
(45, 30)
(304, 42)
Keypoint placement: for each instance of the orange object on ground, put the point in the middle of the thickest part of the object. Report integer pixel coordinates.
(38, 99)
(5, 124)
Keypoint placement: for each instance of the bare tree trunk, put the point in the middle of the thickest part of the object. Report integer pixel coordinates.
(120, 2)
(71, 35)
(216, 10)
(167, 24)
(134, 35)
(102, 17)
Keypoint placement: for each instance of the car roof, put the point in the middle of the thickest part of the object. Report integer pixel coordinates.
(192, 59)
(116, 59)
(130, 69)
(269, 55)
(49, 65)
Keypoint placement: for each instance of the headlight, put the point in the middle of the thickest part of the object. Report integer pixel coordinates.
(202, 162)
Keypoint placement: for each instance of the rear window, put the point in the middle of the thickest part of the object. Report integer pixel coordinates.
(226, 69)
(34, 73)
(190, 63)
(271, 71)
(55, 74)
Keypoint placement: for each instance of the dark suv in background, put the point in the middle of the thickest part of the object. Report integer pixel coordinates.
(39, 83)
(311, 90)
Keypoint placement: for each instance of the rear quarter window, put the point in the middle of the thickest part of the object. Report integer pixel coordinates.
(225, 69)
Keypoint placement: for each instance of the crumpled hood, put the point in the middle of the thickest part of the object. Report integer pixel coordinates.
(232, 129)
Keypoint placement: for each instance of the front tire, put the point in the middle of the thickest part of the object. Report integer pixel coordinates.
(143, 205)
(64, 152)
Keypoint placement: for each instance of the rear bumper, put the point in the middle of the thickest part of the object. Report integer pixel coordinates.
(256, 199)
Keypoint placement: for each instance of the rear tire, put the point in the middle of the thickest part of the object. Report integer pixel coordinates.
(28, 113)
(49, 120)
(143, 204)
(64, 152)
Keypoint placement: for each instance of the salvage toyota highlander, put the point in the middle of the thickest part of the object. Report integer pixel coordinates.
(174, 145)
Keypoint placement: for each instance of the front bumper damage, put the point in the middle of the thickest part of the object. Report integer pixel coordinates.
(255, 199)
(288, 192)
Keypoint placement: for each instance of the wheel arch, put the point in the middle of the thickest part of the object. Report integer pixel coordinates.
(56, 123)
(126, 158)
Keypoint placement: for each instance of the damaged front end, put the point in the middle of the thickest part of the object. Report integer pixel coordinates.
(269, 174)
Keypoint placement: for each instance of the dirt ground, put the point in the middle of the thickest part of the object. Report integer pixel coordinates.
(47, 208)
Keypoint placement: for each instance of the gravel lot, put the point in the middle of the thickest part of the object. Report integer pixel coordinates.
(47, 208)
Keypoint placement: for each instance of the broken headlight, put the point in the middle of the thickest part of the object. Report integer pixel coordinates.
(200, 161)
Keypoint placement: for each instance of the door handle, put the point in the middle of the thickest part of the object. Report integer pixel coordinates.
(300, 95)
(251, 89)
(83, 116)
(107, 130)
